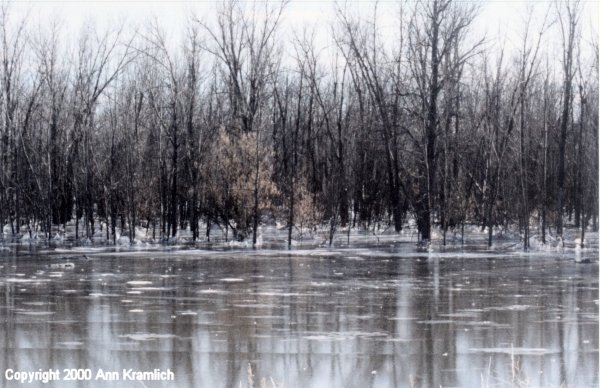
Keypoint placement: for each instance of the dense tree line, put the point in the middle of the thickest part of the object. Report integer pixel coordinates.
(235, 125)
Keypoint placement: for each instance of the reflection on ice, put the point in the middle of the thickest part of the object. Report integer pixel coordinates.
(382, 317)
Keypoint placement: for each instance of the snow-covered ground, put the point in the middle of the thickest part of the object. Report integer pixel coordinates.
(311, 241)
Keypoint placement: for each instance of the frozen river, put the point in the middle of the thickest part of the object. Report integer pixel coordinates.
(380, 317)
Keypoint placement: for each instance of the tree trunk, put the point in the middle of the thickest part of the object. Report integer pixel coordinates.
(568, 46)
(431, 126)
(256, 193)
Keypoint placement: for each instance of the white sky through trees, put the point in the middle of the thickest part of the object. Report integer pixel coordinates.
(502, 23)
(503, 19)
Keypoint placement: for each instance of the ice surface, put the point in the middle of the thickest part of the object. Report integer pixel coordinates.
(308, 317)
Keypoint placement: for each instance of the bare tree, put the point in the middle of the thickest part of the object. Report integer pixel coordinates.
(126, 130)
(380, 73)
(437, 28)
(13, 44)
(245, 44)
(568, 14)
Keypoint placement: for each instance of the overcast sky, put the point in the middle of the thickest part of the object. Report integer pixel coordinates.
(494, 12)
(501, 21)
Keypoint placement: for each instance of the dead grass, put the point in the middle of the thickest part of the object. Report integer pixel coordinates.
(519, 379)
(250, 380)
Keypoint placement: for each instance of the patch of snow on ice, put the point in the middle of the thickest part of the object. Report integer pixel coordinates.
(187, 312)
(18, 280)
(139, 283)
(211, 291)
(35, 313)
(515, 351)
(147, 336)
